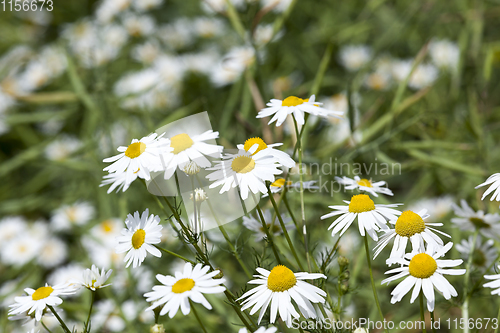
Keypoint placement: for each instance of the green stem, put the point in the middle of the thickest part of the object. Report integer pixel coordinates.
(197, 317)
(63, 325)
(90, 312)
(368, 260)
(228, 241)
(287, 205)
(302, 206)
(268, 234)
(285, 232)
(175, 255)
(465, 306)
(422, 311)
(44, 326)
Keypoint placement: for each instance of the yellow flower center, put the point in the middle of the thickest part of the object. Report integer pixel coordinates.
(41, 293)
(409, 224)
(135, 149)
(364, 182)
(138, 238)
(281, 182)
(422, 266)
(183, 285)
(293, 101)
(107, 226)
(180, 142)
(252, 141)
(281, 279)
(361, 203)
(243, 164)
(479, 223)
(92, 284)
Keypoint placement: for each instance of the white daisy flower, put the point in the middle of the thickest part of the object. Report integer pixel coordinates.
(248, 169)
(274, 227)
(185, 148)
(62, 148)
(353, 57)
(494, 182)
(296, 106)
(425, 272)
(66, 275)
(138, 238)
(53, 252)
(423, 76)
(79, 213)
(444, 54)
(364, 184)
(141, 157)
(483, 254)
(20, 250)
(437, 207)
(93, 279)
(278, 288)
(144, 5)
(259, 330)
(470, 220)
(410, 226)
(371, 217)
(107, 231)
(10, 227)
(282, 157)
(187, 285)
(37, 300)
(139, 25)
(119, 180)
(279, 184)
(495, 284)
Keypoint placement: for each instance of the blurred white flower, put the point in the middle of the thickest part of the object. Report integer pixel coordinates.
(20, 250)
(147, 52)
(139, 25)
(53, 252)
(144, 5)
(208, 27)
(106, 316)
(423, 76)
(353, 57)
(178, 34)
(202, 62)
(108, 9)
(483, 254)
(215, 6)
(11, 227)
(62, 148)
(264, 33)
(232, 65)
(79, 213)
(66, 274)
(107, 231)
(437, 207)
(444, 54)
(469, 220)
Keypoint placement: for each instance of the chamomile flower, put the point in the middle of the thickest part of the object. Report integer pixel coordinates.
(274, 227)
(278, 288)
(279, 184)
(185, 148)
(248, 169)
(139, 236)
(353, 57)
(469, 220)
(93, 279)
(282, 157)
(424, 272)
(188, 285)
(371, 217)
(79, 214)
(280, 109)
(494, 182)
(119, 180)
(363, 184)
(37, 300)
(495, 284)
(483, 254)
(410, 226)
(141, 157)
(444, 54)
